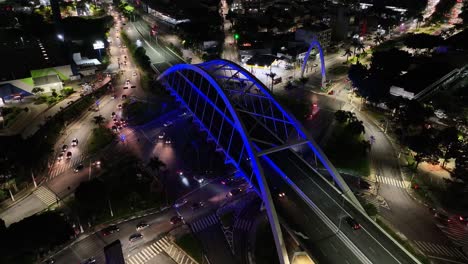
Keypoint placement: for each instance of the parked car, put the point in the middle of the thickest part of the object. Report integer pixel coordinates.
(78, 168)
(197, 205)
(91, 260)
(60, 156)
(234, 192)
(352, 223)
(176, 219)
(168, 124)
(69, 155)
(442, 217)
(64, 148)
(110, 230)
(141, 226)
(135, 237)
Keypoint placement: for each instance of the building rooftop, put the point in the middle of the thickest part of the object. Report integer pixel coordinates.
(261, 60)
(43, 80)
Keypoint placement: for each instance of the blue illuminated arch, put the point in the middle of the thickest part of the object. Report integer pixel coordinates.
(211, 71)
(256, 167)
(315, 44)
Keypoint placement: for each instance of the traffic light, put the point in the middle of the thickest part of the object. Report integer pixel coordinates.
(236, 36)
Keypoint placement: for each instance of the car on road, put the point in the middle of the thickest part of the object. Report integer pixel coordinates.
(74, 142)
(110, 230)
(135, 237)
(60, 156)
(91, 260)
(50, 261)
(278, 192)
(78, 168)
(141, 226)
(64, 148)
(124, 96)
(127, 82)
(115, 129)
(442, 217)
(119, 106)
(180, 203)
(234, 192)
(113, 114)
(69, 155)
(352, 223)
(197, 205)
(133, 86)
(176, 219)
(199, 178)
(161, 135)
(463, 218)
(168, 124)
(232, 181)
(168, 141)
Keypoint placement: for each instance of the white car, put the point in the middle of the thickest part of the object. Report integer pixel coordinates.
(161, 136)
(168, 141)
(198, 178)
(74, 142)
(180, 203)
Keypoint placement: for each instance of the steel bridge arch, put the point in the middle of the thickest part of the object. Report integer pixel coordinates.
(266, 195)
(315, 44)
(218, 75)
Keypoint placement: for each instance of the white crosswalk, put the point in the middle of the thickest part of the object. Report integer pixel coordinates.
(440, 250)
(392, 181)
(204, 222)
(62, 166)
(457, 231)
(45, 195)
(243, 224)
(150, 251)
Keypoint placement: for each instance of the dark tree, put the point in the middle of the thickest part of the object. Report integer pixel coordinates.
(156, 164)
(91, 197)
(23, 241)
(422, 41)
(343, 116)
(357, 74)
(448, 143)
(355, 127)
(390, 63)
(461, 164)
(98, 120)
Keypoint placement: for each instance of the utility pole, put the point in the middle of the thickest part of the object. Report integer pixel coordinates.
(11, 195)
(33, 179)
(110, 207)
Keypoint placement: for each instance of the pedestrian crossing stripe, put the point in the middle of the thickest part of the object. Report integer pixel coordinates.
(45, 195)
(243, 224)
(150, 251)
(456, 231)
(64, 165)
(392, 181)
(440, 250)
(204, 223)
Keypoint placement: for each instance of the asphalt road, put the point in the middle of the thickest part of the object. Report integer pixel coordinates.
(212, 194)
(370, 241)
